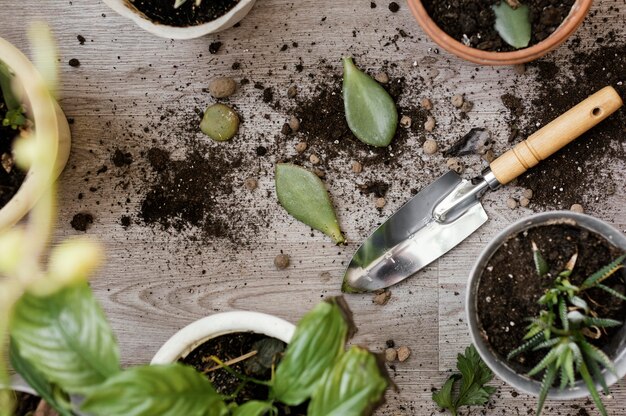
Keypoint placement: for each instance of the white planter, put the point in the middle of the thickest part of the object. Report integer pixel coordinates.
(200, 331)
(126, 9)
(47, 116)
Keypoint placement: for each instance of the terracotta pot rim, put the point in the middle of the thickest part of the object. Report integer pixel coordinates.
(567, 27)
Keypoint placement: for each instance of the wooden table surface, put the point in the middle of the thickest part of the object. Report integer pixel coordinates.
(156, 281)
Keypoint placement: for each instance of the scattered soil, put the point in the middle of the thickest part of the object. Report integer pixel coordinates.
(10, 181)
(163, 11)
(509, 287)
(25, 403)
(82, 221)
(472, 21)
(231, 346)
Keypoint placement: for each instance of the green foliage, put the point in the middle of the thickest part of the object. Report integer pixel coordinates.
(164, 390)
(219, 122)
(304, 196)
(474, 374)
(560, 329)
(370, 111)
(254, 408)
(65, 336)
(513, 25)
(14, 116)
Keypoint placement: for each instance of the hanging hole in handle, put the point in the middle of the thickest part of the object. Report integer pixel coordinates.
(596, 112)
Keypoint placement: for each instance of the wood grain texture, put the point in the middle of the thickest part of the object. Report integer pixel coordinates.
(156, 281)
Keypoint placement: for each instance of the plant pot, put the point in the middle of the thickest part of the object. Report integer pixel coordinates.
(202, 330)
(499, 366)
(47, 116)
(567, 27)
(126, 9)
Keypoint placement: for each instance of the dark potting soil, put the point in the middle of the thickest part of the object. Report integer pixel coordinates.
(509, 287)
(81, 221)
(25, 404)
(11, 177)
(189, 14)
(232, 346)
(472, 22)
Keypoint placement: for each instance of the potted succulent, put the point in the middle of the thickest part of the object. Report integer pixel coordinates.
(182, 19)
(499, 32)
(546, 303)
(27, 108)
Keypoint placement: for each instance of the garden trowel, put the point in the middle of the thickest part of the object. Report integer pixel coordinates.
(447, 211)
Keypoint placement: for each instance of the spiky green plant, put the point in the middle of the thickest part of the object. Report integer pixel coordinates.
(563, 326)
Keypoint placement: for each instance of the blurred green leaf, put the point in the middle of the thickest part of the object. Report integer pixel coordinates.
(253, 408)
(163, 390)
(66, 337)
(267, 350)
(513, 25)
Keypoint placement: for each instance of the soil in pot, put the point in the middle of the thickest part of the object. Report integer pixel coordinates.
(11, 177)
(234, 347)
(509, 287)
(28, 405)
(472, 22)
(189, 14)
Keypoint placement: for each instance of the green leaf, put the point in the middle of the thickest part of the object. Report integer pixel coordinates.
(354, 387)
(604, 273)
(220, 122)
(267, 350)
(513, 25)
(370, 111)
(6, 81)
(304, 196)
(37, 381)
(548, 379)
(253, 408)
(602, 322)
(595, 353)
(563, 314)
(591, 386)
(546, 361)
(318, 342)
(444, 397)
(66, 337)
(611, 291)
(540, 263)
(535, 340)
(164, 390)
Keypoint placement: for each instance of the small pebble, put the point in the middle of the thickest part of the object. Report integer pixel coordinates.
(457, 100)
(403, 353)
(391, 354)
(314, 159)
(528, 193)
(294, 123)
(222, 87)
(430, 147)
(455, 164)
(7, 162)
(519, 69)
(286, 129)
(381, 77)
(489, 156)
(511, 203)
(220, 122)
(429, 125)
(426, 104)
(357, 167)
(74, 63)
(382, 297)
(320, 173)
(281, 261)
(301, 147)
(577, 208)
(292, 91)
(250, 184)
(467, 106)
(406, 121)
(380, 202)
(524, 202)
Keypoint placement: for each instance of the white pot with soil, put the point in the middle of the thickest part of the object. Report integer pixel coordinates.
(47, 118)
(506, 288)
(191, 19)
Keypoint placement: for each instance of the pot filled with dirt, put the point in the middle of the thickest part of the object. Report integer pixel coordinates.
(499, 32)
(546, 304)
(27, 109)
(182, 19)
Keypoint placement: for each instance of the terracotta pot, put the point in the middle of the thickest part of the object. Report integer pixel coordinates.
(569, 25)
(197, 333)
(126, 9)
(47, 116)
(499, 366)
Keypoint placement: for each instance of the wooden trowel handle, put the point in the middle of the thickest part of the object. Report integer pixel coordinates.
(556, 135)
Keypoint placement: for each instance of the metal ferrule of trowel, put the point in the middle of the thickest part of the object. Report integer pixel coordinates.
(448, 210)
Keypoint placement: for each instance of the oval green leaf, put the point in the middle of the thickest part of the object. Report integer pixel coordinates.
(354, 387)
(220, 122)
(164, 390)
(65, 336)
(318, 342)
(370, 111)
(305, 198)
(513, 25)
(253, 408)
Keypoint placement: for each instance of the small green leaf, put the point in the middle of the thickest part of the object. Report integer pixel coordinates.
(164, 390)
(354, 386)
(220, 122)
(533, 341)
(548, 379)
(540, 263)
(370, 111)
(318, 342)
(591, 386)
(304, 196)
(66, 337)
(513, 25)
(6, 86)
(253, 408)
(444, 397)
(604, 273)
(267, 351)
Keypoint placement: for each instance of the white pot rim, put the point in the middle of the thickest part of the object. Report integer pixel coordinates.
(196, 333)
(124, 8)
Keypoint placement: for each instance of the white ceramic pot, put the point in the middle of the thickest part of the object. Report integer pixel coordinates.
(202, 330)
(47, 116)
(126, 9)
